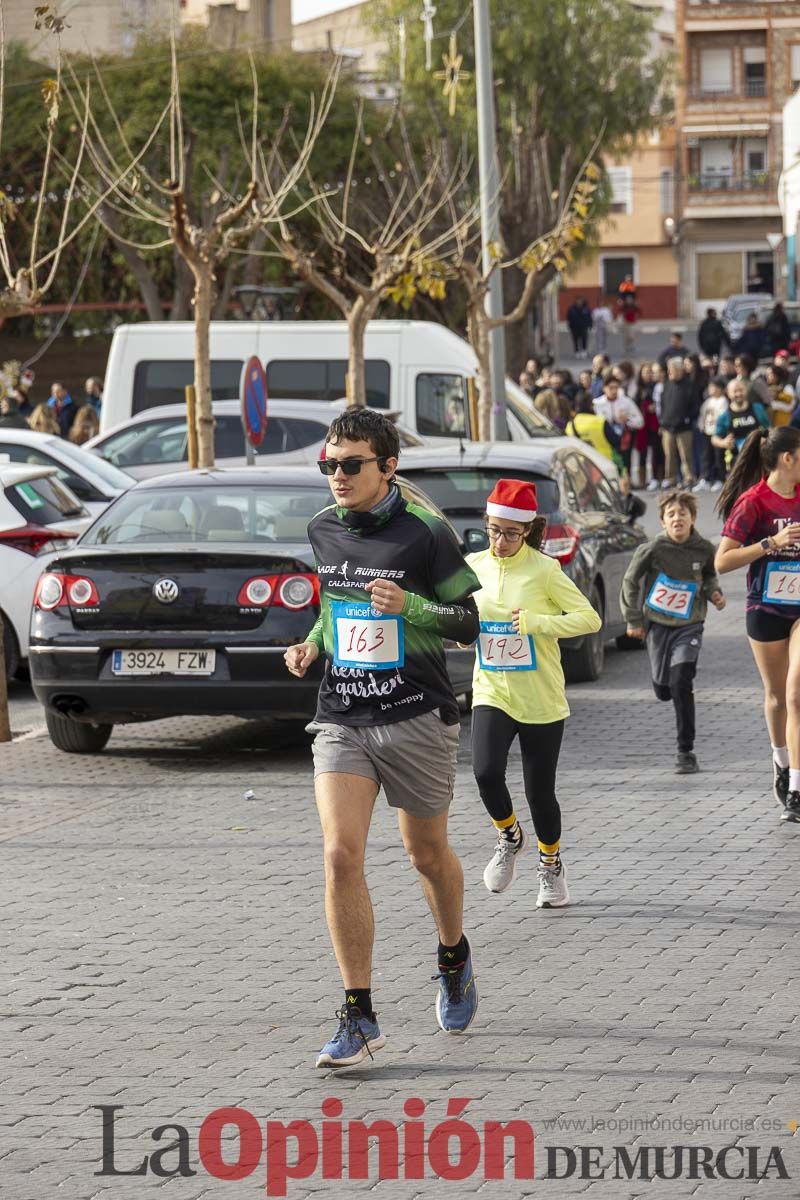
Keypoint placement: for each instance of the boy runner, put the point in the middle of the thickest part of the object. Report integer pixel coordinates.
(677, 569)
(393, 584)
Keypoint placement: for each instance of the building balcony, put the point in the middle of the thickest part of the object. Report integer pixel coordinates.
(751, 89)
(720, 181)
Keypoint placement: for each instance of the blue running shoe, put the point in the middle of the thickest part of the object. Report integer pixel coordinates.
(354, 1040)
(457, 1001)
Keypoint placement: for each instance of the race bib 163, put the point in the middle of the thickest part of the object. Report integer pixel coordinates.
(365, 638)
(500, 649)
(673, 597)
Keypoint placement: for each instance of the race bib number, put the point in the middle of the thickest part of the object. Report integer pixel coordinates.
(500, 649)
(673, 597)
(782, 583)
(365, 638)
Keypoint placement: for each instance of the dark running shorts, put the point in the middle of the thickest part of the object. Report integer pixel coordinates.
(767, 627)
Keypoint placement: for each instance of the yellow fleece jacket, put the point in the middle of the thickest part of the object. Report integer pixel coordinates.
(551, 607)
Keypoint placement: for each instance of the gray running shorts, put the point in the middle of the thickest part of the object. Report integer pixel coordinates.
(669, 645)
(414, 761)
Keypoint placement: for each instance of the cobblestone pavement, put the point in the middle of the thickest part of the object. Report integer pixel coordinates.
(165, 951)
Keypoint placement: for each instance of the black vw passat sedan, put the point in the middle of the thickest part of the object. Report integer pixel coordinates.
(181, 599)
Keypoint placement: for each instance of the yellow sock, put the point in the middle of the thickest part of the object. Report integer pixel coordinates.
(549, 854)
(509, 828)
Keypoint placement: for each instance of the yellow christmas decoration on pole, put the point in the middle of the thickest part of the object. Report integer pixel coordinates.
(452, 75)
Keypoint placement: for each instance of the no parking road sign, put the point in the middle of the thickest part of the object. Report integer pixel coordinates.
(253, 395)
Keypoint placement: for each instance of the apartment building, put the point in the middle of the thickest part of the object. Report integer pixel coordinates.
(637, 237)
(99, 26)
(238, 23)
(739, 63)
(789, 199)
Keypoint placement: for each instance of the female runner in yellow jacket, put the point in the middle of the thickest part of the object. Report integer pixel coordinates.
(526, 603)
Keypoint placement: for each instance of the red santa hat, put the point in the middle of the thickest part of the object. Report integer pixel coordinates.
(782, 354)
(513, 500)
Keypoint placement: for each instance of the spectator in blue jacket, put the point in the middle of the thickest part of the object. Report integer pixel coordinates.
(63, 406)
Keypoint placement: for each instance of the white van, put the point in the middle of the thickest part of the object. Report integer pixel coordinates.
(416, 368)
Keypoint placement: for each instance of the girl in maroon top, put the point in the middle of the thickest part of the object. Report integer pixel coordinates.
(761, 505)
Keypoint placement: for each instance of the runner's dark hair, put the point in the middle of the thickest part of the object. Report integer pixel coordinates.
(758, 456)
(366, 425)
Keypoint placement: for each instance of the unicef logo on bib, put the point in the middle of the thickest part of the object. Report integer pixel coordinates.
(365, 638)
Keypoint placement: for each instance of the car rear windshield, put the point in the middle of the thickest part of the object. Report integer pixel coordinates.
(201, 515)
(44, 501)
(464, 490)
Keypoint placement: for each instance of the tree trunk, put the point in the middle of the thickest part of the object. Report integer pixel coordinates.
(182, 290)
(357, 320)
(203, 305)
(518, 350)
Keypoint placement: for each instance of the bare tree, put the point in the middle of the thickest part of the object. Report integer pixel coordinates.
(371, 245)
(27, 274)
(532, 269)
(205, 236)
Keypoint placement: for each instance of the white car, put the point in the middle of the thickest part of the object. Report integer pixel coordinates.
(95, 482)
(38, 516)
(155, 443)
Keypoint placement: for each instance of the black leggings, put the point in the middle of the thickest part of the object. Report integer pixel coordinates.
(681, 693)
(493, 731)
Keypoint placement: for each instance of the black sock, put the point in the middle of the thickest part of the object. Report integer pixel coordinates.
(452, 958)
(360, 998)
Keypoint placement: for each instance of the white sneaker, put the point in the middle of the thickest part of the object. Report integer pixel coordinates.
(653, 485)
(553, 890)
(666, 486)
(502, 867)
(701, 486)
(716, 486)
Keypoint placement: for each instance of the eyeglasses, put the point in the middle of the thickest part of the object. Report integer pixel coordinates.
(512, 536)
(350, 466)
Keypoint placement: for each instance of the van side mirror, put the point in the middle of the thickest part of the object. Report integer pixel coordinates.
(475, 540)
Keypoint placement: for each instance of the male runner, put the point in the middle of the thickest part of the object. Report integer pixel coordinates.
(393, 584)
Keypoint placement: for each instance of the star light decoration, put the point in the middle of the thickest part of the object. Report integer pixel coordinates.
(452, 75)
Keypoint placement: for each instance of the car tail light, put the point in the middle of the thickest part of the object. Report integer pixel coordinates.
(256, 592)
(561, 542)
(296, 591)
(286, 591)
(57, 591)
(36, 539)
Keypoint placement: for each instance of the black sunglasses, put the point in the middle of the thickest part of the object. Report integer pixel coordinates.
(350, 466)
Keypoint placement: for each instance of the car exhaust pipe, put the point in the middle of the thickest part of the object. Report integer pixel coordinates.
(69, 706)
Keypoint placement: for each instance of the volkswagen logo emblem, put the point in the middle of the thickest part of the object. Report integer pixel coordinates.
(166, 591)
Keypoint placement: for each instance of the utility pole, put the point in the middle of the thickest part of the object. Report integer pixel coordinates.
(489, 182)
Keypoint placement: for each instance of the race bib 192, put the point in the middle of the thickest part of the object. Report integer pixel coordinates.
(782, 583)
(365, 638)
(500, 649)
(674, 597)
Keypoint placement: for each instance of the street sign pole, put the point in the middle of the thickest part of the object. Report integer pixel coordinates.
(489, 175)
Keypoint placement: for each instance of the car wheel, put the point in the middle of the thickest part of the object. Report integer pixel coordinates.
(10, 648)
(623, 642)
(73, 737)
(586, 665)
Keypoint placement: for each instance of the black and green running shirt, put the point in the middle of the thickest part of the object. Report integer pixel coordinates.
(381, 668)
